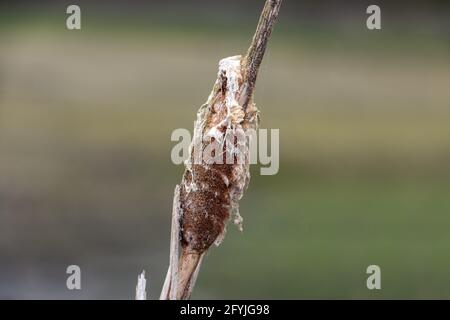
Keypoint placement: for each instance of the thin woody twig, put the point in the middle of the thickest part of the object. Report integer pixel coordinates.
(255, 53)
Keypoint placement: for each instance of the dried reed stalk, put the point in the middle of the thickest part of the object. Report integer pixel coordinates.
(209, 192)
(141, 294)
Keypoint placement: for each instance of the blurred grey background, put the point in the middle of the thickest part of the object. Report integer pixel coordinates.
(364, 118)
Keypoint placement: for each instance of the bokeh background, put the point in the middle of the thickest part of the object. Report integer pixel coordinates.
(364, 118)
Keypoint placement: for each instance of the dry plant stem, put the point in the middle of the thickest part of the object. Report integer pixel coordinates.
(209, 193)
(255, 53)
(141, 294)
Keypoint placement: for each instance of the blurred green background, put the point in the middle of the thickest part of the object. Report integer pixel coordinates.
(364, 118)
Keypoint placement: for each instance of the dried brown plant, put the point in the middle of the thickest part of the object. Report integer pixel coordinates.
(209, 193)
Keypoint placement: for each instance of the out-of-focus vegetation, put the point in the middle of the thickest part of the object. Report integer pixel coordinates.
(86, 176)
